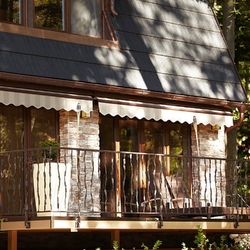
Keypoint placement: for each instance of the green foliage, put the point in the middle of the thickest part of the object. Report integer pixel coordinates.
(202, 242)
(242, 31)
(243, 138)
(50, 152)
(241, 14)
(4, 134)
(48, 14)
(115, 245)
(201, 239)
(156, 245)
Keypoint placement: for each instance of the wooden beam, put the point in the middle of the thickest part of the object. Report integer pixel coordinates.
(118, 188)
(12, 240)
(115, 236)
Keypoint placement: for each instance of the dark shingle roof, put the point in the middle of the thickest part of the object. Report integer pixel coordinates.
(166, 46)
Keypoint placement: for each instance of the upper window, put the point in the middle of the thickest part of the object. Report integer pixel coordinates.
(49, 14)
(10, 11)
(86, 17)
(72, 16)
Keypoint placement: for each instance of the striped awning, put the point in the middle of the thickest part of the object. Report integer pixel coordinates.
(49, 101)
(164, 112)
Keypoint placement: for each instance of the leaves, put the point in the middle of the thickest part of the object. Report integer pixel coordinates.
(242, 60)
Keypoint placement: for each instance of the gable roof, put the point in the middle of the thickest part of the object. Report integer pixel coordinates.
(177, 47)
(166, 47)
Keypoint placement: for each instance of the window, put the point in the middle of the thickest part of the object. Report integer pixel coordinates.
(20, 128)
(144, 136)
(49, 14)
(10, 11)
(25, 128)
(86, 17)
(71, 16)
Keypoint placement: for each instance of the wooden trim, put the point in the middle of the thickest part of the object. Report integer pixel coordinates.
(107, 21)
(24, 17)
(101, 90)
(118, 183)
(30, 13)
(67, 10)
(95, 90)
(166, 147)
(27, 26)
(12, 240)
(120, 224)
(58, 36)
(115, 236)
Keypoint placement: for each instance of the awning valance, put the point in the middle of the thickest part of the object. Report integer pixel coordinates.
(39, 100)
(164, 112)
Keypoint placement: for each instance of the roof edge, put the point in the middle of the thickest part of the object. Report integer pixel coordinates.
(108, 91)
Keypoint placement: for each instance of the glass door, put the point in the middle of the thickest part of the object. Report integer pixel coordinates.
(20, 128)
(129, 167)
(134, 174)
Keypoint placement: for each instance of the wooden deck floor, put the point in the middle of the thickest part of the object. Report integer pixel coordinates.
(116, 226)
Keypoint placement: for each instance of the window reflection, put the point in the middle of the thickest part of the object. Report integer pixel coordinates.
(86, 17)
(11, 128)
(14, 122)
(140, 175)
(10, 11)
(49, 14)
(42, 126)
(128, 135)
(153, 137)
(178, 140)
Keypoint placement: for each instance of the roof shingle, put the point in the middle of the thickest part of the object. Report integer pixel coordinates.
(166, 46)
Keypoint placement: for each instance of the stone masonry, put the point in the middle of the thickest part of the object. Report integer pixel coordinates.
(209, 178)
(82, 134)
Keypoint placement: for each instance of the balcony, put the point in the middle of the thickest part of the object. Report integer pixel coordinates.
(84, 188)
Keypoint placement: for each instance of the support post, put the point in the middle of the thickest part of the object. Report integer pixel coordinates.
(115, 236)
(12, 240)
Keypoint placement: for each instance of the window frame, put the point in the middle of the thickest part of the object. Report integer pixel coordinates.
(28, 12)
(110, 139)
(26, 27)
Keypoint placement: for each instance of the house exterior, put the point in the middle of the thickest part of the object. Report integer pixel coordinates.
(140, 96)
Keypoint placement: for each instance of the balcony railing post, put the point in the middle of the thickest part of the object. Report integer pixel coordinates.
(118, 186)
(129, 183)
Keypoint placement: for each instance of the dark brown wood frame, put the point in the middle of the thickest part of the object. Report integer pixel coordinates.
(107, 39)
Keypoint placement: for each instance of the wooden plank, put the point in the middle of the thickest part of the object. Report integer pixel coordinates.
(146, 224)
(118, 182)
(115, 236)
(12, 240)
(235, 211)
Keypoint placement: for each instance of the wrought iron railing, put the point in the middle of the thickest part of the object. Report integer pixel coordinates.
(97, 183)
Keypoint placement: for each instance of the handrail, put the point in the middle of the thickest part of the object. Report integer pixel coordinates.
(86, 180)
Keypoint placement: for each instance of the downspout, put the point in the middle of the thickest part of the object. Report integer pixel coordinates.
(242, 110)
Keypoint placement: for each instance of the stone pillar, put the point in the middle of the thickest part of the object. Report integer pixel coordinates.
(83, 137)
(209, 176)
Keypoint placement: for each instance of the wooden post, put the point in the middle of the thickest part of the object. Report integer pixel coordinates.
(12, 240)
(115, 236)
(118, 188)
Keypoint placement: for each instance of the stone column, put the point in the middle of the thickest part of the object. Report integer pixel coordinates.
(82, 136)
